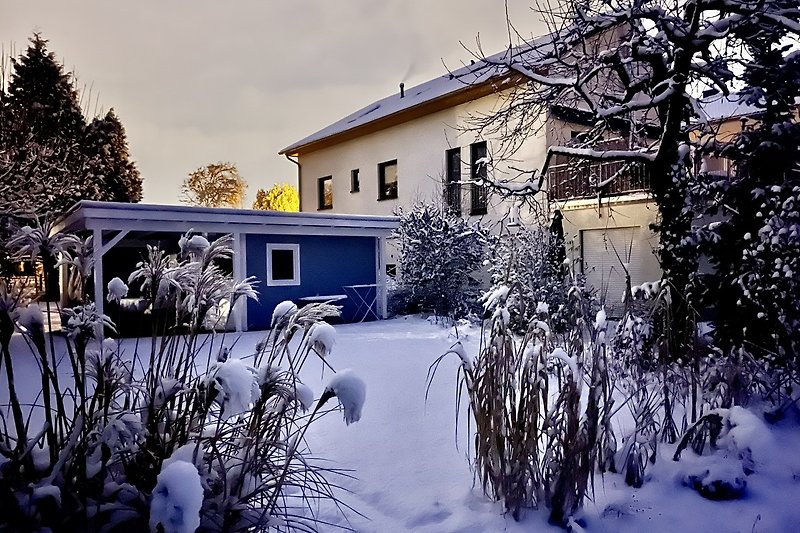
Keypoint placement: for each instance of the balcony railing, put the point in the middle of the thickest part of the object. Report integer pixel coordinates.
(588, 179)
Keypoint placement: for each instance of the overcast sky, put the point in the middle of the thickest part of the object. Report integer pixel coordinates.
(197, 81)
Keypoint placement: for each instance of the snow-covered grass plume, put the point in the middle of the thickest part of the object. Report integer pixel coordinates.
(351, 391)
(177, 499)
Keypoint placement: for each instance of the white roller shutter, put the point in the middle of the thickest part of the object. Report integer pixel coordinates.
(603, 253)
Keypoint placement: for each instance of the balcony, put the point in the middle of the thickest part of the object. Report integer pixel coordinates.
(587, 179)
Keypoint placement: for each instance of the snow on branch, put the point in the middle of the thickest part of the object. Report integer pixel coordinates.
(635, 154)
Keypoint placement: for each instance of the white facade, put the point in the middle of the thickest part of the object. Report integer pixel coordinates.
(419, 146)
(608, 239)
(604, 238)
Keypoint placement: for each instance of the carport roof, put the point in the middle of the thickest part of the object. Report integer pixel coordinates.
(110, 216)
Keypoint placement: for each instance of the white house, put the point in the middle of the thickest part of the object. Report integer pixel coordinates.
(419, 144)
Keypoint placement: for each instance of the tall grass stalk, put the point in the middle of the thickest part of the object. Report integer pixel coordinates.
(89, 453)
(535, 443)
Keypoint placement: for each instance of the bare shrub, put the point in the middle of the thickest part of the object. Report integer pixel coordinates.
(535, 443)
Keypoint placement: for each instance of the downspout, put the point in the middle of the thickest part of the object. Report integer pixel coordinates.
(299, 176)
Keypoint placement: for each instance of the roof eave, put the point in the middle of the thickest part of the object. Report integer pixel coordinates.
(465, 94)
(117, 216)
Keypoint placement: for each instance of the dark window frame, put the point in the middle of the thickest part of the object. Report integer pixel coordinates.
(478, 194)
(321, 205)
(452, 194)
(383, 192)
(355, 181)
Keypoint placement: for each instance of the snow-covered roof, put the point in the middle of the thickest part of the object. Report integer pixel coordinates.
(518, 59)
(462, 79)
(93, 215)
(720, 107)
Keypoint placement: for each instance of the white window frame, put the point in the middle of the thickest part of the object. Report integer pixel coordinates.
(283, 282)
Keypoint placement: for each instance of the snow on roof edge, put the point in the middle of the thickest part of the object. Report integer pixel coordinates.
(93, 209)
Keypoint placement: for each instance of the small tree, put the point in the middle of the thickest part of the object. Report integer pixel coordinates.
(282, 197)
(440, 254)
(109, 160)
(214, 185)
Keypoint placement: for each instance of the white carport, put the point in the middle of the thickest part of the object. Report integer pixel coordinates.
(111, 222)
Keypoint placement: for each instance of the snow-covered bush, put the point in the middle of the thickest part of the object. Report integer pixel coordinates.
(440, 255)
(527, 261)
(749, 227)
(179, 434)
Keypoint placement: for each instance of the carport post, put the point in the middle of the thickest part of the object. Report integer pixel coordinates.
(97, 253)
(240, 273)
(99, 249)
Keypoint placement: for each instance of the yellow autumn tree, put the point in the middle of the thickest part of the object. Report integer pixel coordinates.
(282, 197)
(214, 185)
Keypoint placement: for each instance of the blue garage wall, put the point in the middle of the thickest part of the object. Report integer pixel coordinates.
(326, 263)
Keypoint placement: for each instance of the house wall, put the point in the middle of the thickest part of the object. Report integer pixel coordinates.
(326, 264)
(596, 231)
(725, 132)
(625, 220)
(419, 146)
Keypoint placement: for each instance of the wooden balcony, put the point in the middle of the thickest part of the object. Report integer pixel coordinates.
(584, 179)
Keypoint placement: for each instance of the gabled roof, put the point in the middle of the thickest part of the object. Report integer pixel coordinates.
(438, 90)
(478, 79)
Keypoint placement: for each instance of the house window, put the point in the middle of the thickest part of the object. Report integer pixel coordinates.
(453, 186)
(387, 180)
(325, 193)
(478, 165)
(283, 264)
(355, 185)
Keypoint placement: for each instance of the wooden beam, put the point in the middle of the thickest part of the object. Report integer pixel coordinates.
(114, 241)
(239, 310)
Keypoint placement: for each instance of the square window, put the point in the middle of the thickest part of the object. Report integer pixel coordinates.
(283, 264)
(355, 185)
(387, 180)
(325, 193)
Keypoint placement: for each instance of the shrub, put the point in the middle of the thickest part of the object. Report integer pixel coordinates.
(525, 260)
(177, 412)
(440, 255)
(535, 443)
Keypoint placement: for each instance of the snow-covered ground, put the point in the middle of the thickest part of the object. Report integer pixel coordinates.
(408, 474)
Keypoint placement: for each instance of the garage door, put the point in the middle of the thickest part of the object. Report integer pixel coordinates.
(603, 253)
